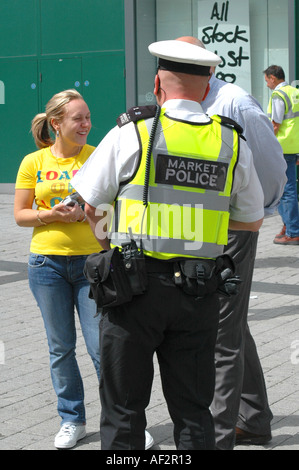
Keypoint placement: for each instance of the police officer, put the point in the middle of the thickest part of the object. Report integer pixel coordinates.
(177, 201)
(283, 111)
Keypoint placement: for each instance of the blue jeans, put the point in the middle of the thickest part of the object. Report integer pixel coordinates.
(288, 207)
(58, 285)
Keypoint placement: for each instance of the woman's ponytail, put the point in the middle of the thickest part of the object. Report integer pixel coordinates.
(41, 132)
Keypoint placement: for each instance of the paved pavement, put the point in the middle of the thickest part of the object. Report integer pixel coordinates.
(28, 417)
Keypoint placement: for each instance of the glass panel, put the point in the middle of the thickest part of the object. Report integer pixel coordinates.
(269, 23)
(269, 37)
(146, 64)
(175, 21)
(259, 48)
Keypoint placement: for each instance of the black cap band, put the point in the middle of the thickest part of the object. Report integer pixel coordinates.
(181, 67)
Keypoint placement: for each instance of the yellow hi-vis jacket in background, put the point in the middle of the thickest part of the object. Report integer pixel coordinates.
(288, 134)
(191, 178)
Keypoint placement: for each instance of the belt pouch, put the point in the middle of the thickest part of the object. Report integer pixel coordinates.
(109, 284)
(198, 277)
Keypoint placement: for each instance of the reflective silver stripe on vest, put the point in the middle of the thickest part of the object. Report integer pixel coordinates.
(289, 103)
(290, 114)
(171, 246)
(227, 136)
(209, 200)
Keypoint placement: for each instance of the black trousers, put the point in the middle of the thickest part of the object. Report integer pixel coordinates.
(182, 331)
(240, 393)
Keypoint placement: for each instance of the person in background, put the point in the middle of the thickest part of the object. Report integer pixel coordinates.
(177, 323)
(61, 241)
(283, 111)
(240, 407)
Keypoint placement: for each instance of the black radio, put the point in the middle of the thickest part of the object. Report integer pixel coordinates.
(134, 264)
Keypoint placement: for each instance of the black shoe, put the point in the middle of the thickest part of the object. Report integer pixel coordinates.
(247, 438)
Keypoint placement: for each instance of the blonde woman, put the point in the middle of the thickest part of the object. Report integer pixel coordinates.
(61, 241)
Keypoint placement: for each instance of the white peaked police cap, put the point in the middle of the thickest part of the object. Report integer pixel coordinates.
(181, 56)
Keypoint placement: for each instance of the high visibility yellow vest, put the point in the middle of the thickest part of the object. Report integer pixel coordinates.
(288, 134)
(191, 178)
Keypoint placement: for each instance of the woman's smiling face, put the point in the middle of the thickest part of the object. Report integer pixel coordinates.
(76, 124)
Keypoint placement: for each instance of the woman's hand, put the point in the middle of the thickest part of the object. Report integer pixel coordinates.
(67, 214)
(25, 216)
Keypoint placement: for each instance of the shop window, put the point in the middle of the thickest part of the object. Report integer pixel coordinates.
(250, 35)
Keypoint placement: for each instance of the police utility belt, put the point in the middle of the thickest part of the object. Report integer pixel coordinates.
(116, 276)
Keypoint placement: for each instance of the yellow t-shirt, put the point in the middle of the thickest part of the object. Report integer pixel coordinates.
(50, 178)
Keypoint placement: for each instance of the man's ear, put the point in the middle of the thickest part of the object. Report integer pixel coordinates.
(157, 85)
(207, 92)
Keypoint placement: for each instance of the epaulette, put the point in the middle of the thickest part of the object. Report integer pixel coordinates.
(136, 114)
(226, 121)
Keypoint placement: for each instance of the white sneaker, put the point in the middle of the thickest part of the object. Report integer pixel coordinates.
(149, 441)
(69, 435)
